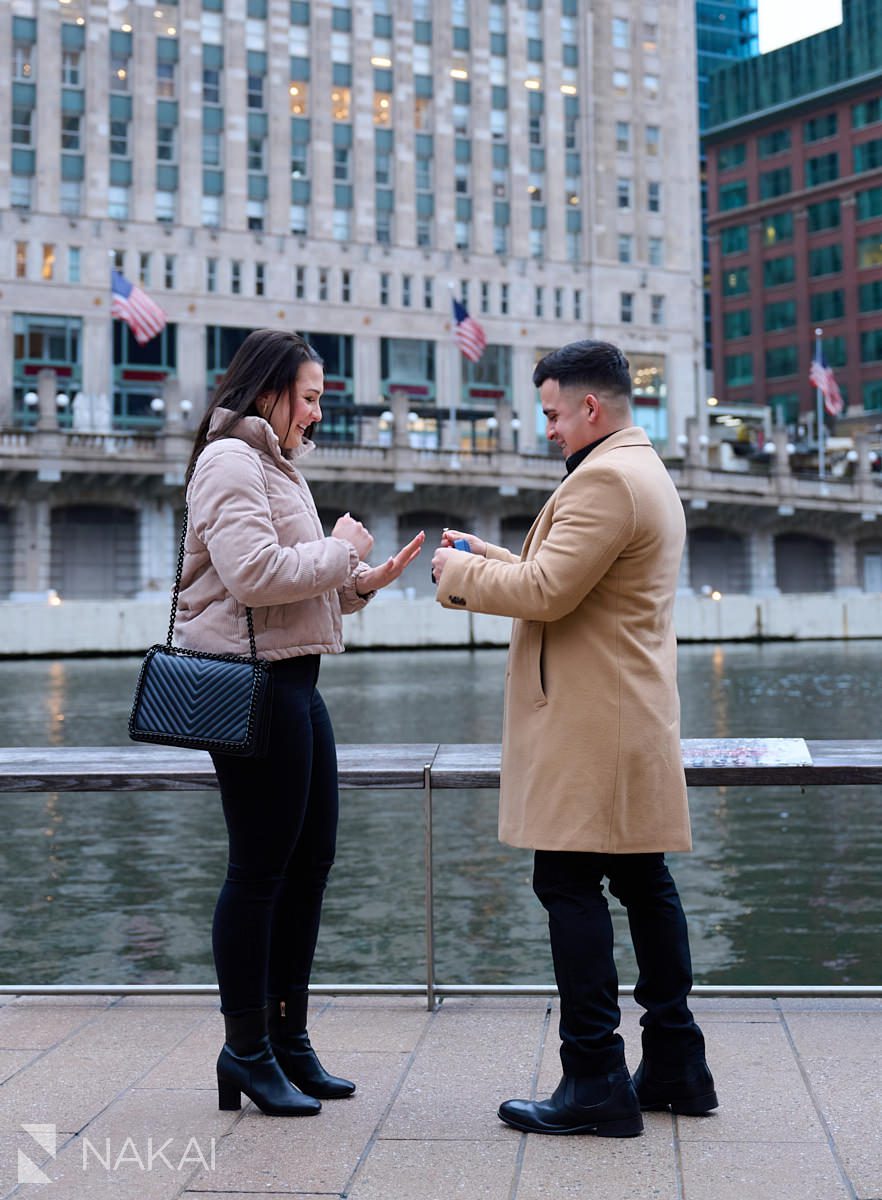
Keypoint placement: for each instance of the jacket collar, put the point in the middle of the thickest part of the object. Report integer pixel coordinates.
(632, 436)
(259, 434)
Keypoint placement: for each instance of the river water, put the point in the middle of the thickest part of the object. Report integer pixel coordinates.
(783, 886)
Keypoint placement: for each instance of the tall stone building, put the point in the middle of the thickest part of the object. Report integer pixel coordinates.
(342, 170)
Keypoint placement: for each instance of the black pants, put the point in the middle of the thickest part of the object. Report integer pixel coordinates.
(570, 886)
(281, 815)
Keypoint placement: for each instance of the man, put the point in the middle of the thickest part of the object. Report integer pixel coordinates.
(592, 776)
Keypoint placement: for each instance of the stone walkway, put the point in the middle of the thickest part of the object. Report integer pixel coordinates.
(108, 1082)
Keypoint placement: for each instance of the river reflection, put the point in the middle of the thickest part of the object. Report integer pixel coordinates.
(783, 886)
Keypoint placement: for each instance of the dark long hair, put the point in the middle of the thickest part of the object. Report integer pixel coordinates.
(266, 363)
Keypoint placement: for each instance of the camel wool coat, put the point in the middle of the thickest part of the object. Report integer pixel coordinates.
(591, 734)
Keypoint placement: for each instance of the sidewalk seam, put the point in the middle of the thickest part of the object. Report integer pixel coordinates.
(831, 1141)
(537, 1067)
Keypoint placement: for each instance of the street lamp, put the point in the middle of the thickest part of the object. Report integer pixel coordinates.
(157, 404)
(62, 400)
(31, 399)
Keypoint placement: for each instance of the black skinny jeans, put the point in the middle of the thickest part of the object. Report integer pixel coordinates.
(281, 815)
(570, 886)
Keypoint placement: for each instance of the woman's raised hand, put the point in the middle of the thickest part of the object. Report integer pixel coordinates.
(354, 532)
(387, 572)
(449, 536)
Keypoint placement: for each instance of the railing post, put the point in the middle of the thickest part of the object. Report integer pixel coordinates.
(430, 887)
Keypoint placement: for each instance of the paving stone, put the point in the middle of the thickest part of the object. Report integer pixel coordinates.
(469, 1061)
(764, 1170)
(368, 1028)
(614, 1168)
(308, 1154)
(844, 1036)
(71, 1083)
(31, 1026)
(154, 1144)
(431, 1170)
(850, 1098)
(13, 1060)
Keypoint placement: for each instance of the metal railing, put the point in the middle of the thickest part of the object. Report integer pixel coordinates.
(428, 768)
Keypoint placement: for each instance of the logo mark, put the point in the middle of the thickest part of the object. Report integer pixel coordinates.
(46, 1137)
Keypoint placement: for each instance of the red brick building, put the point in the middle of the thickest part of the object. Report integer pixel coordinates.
(794, 155)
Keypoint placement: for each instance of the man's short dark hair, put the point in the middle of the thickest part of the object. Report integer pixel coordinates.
(589, 365)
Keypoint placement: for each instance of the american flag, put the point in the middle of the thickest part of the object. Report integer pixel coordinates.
(823, 378)
(470, 337)
(142, 315)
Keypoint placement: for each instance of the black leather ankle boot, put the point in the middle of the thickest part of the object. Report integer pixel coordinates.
(605, 1105)
(247, 1064)
(296, 1057)
(686, 1088)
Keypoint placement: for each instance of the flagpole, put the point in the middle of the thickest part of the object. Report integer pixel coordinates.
(819, 401)
(454, 438)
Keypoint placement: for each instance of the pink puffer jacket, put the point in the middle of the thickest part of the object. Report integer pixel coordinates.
(254, 538)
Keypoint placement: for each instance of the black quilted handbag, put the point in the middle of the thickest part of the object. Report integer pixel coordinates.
(202, 701)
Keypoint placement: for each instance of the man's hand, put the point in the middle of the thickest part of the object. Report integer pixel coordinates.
(449, 536)
(391, 569)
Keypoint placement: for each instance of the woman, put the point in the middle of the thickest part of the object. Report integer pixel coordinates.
(254, 541)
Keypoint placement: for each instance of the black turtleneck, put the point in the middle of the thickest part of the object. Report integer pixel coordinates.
(573, 461)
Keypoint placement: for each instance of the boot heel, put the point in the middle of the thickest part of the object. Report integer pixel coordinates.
(229, 1097)
(695, 1106)
(626, 1127)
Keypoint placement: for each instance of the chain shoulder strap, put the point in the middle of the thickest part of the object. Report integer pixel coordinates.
(176, 590)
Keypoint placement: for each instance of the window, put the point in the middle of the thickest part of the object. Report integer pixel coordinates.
(24, 39)
(819, 128)
(732, 195)
(737, 282)
(211, 149)
(729, 157)
(299, 283)
(868, 156)
(384, 287)
(341, 224)
(621, 82)
(538, 301)
(625, 247)
(165, 80)
(736, 324)
(577, 305)
(657, 310)
(777, 271)
(623, 137)
(623, 193)
(774, 183)
(827, 306)
(870, 296)
(21, 126)
(211, 211)
(775, 142)
(259, 279)
(20, 194)
(621, 34)
(734, 240)
(168, 275)
(236, 277)
(144, 264)
(653, 141)
(119, 139)
(626, 307)
(345, 286)
(73, 264)
(21, 260)
(778, 228)
(503, 299)
(210, 84)
(780, 361)
(71, 68)
(485, 296)
(47, 271)
(869, 251)
(825, 260)
(871, 345)
(165, 143)
(164, 206)
(650, 86)
(70, 133)
(866, 113)
(255, 90)
(738, 369)
(869, 203)
(825, 215)
(822, 169)
(558, 304)
(781, 314)
(653, 196)
(406, 283)
(427, 291)
(211, 275)
(323, 283)
(656, 252)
